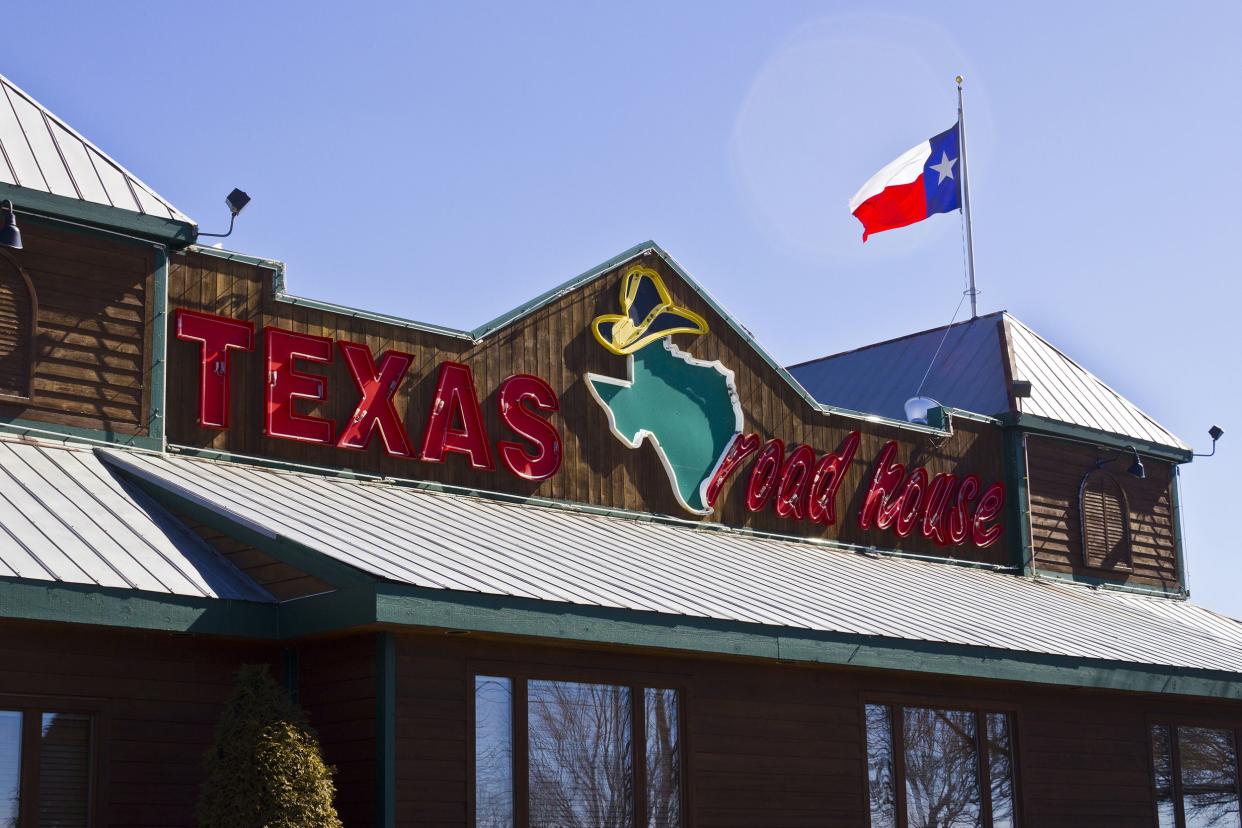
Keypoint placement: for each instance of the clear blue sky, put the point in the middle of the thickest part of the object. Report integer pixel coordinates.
(448, 161)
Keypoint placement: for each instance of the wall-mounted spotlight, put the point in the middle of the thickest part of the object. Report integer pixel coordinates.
(1215, 432)
(917, 409)
(1136, 468)
(1021, 389)
(10, 236)
(236, 201)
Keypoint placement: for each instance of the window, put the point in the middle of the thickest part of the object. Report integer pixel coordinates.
(1196, 776)
(567, 754)
(45, 769)
(1104, 514)
(17, 314)
(935, 768)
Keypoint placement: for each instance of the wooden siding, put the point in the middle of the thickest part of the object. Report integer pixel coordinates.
(17, 315)
(92, 353)
(336, 684)
(156, 698)
(783, 746)
(554, 343)
(282, 581)
(1056, 469)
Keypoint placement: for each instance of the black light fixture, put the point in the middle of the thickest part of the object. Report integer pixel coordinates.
(1021, 389)
(10, 236)
(1215, 432)
(236, 201)
(1136, 468)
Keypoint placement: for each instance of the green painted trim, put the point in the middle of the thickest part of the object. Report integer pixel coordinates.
(36, 203)
(113, 607)
(1055, 428)
(1179, 532)
(1106, 584)
(159, 350)
(580, 508)
(385, 730)
(279, 547)
(1018, 506)
(506, 615)
(342, 609)
(73, 434)
(290, 670)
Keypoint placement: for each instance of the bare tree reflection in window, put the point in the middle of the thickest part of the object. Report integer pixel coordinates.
(1209, 777)
(581, 764)
(999, 743)
(881, 783)
(1162, 769)
(663, 759)
(493, 752)
(941, 768)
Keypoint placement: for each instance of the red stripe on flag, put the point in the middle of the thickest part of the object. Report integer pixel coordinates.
(894, 206)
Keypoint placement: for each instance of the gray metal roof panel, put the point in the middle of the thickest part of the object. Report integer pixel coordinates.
(66, 516)
(465, 543)
(1063, 390)
(39, 151)
(968, 373)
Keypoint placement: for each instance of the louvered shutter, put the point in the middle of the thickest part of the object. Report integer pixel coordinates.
(16, 319)
(1105, 521)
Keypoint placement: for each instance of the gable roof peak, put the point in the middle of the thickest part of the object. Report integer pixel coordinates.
(42, 153)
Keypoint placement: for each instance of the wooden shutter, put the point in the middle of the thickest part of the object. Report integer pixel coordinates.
(1105, 518)
(17, 313)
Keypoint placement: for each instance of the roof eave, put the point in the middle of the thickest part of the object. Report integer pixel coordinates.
(1055, 428)
(166, 231)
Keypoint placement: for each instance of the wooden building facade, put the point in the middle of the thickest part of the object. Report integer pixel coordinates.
(598, 563)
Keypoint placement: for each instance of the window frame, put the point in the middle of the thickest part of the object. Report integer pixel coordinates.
(980, 708)
(521, 675)
(1173, 722)
(33, 709)
(6, 259)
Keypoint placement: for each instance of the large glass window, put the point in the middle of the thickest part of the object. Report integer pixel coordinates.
(569, 754)
(49, 756)
(939, 768)
(1195, 771)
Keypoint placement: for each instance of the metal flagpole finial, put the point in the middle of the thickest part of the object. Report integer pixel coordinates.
(959, 80)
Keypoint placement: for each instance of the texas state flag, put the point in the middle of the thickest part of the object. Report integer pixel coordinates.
(923, 181)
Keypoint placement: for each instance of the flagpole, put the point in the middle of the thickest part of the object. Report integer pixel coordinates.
(970, 245)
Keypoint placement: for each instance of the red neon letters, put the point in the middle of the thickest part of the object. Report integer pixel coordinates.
(218, 337)
(829, 473)
(285, 385)
(375, 411)
(743, 446)
(514, 393)
(456, 401)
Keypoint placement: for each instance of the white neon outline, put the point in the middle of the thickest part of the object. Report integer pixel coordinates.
(645, 434)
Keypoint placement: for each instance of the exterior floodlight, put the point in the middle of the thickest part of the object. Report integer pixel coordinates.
(917, 409)
(1136, 468)
(1215, 432)
(236, 201)
(10, 236)
(1021, 389)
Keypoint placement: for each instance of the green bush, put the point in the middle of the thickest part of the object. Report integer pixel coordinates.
(265, 769)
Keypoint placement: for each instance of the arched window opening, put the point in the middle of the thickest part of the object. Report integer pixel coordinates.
(18, 309)
(1104, 514)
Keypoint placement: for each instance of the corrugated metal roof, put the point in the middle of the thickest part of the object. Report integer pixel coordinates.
(1063, 390)
(968, 373)
(473, 544)
(66, 516)
(39, 151)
